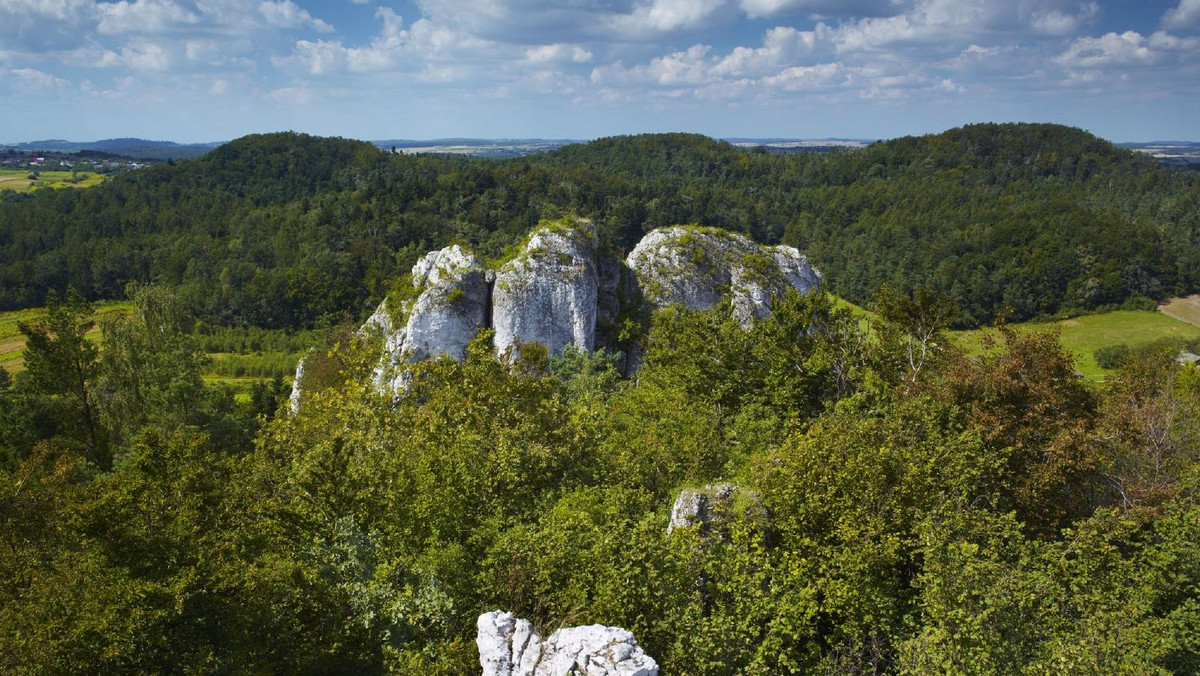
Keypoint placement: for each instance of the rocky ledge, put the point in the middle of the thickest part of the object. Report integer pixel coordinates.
(509, 646)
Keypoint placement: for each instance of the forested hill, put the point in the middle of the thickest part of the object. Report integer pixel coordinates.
(285, 229)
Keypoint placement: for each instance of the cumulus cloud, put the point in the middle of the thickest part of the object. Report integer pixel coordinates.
(423, 46)
(557, 53)
(658, 16)
(33, 79)
(810, 78)
(1057, 22)
(688, 67)
(1126, 49)
(287, 14)
(1186, 15)
(781, 45)
(757, 9)
(142, 16)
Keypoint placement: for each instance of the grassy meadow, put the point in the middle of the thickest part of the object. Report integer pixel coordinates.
(18, 180)
(1082, 336)
(237, 358)
(12, 343)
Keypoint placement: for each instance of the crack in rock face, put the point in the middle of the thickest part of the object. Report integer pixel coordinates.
(509, 646)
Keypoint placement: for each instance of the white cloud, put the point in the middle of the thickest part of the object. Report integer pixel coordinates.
(33, 79)
(141, 16)
(557, 53)
(146, 56)
(689, 67)
(809, 78)
(781, 46)
(287, 14)
(1126, 49)
(664, 16)
(1185, 15)
(1058, 23)
(292, 96)
(574, 21)
(436, 51)
(757, 9)
(1166, 42)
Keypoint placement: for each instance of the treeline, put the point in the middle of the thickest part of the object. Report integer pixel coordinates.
(900, 508)
(286, 230)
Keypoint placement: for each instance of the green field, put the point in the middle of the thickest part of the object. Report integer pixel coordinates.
(1082, 336)
(18, 180)
(12, 343)
(238, 371)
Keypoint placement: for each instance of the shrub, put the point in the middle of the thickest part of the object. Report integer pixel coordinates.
(1111, 356)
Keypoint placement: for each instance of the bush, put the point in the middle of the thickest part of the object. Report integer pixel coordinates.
(1111, 356)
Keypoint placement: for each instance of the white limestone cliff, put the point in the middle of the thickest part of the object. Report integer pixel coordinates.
(449, 306)
(548, 293)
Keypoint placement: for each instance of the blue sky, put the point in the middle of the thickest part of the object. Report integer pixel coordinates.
(204, 70)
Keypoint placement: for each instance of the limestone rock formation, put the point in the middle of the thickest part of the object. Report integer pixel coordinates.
(548, 293)
(294, 397)
(451, 302)
(509, 646)
(699, 267)
(559, 288)
(694, 506)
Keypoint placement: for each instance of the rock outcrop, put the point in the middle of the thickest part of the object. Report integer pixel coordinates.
(548, 293)
(694, 506)
(700, 267)
(509, 646)
(559, 288)
(294, 397)
(449, 304)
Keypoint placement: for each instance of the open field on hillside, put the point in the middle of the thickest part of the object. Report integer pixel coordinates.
(237, 370)
(18, 180)
(1082, 336)
(1184, 309)
(12, 343)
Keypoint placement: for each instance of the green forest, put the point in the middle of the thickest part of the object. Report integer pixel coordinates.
(286, 230)
(901, 506)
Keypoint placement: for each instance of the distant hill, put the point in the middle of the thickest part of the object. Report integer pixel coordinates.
(128, 147)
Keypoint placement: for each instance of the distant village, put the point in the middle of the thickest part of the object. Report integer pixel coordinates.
(93, 161)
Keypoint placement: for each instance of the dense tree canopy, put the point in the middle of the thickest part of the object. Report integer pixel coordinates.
(287, 230)
(985, 516)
